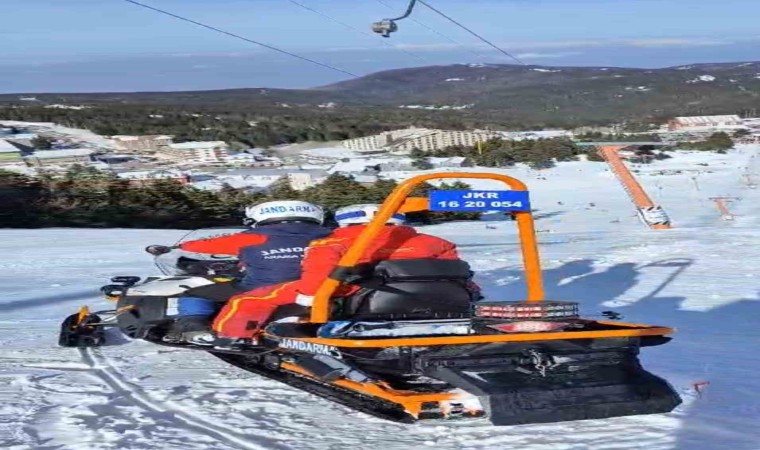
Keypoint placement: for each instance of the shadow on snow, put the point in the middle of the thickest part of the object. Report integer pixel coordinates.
(719, 345)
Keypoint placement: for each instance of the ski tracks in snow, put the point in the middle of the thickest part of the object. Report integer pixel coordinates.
(115, 379)
(130, 418)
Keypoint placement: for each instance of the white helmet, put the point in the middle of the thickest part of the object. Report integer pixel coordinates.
(285, 210)
(354, 214)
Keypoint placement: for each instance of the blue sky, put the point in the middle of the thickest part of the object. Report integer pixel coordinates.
(111, 45)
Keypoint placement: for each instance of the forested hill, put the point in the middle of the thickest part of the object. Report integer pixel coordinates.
(474, 94)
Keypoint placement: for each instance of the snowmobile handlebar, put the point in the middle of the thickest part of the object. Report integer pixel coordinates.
(399, 200)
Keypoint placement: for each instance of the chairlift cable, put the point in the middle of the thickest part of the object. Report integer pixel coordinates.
(243, 38)
(433, 30)
(351, 27)
(450, 19)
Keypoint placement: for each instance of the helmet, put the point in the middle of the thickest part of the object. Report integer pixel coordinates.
(354, 214)
(285, 211)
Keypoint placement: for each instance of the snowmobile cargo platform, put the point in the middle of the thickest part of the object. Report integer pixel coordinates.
(416, 343)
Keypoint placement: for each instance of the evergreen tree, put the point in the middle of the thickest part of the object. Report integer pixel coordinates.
(336, 191)
(42, 143)
(19, 200)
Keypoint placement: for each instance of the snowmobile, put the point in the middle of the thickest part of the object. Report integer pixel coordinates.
(415, 342)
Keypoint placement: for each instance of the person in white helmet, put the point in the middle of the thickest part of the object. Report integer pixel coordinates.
(395, 241)
(269, 253)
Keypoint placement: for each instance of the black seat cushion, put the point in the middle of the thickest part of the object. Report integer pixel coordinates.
(411, 289)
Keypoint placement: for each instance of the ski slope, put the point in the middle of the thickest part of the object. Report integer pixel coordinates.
(701, 277)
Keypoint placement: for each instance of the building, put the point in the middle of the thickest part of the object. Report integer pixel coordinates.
(536, 134)
(405, 140)
(454, 161)
(137, 144)
(9, 152)
(260, 180)
(211, 152)
(253, 160)
(59, 157)
(147, 177)
(695, 123)
(440, 139)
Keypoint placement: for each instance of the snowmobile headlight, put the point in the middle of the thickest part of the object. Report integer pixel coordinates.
(113, 290)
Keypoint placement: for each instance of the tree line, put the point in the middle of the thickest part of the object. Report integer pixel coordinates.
(719, 142)
(238, 126)
(538, 153)
(86, 197)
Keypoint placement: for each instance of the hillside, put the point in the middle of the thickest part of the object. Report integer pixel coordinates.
(531, 95)
(590, 93)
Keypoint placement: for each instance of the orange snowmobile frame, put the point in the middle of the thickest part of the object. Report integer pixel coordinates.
(399, 201)
(413, 402)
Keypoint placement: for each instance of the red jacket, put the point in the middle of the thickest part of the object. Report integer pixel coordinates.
(224, 245)
(393, 242)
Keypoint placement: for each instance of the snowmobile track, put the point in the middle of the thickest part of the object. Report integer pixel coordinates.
(368, 405)
(114, 379)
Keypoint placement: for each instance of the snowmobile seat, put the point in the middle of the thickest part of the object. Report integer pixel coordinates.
(410, 289)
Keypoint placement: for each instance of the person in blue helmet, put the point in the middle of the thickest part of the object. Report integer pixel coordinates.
(269, 253)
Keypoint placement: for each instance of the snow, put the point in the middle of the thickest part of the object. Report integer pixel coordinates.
(454, 79)
(55, 130)
(19, 168)
(7, 147)
(255, 182)
(359, 165)
(703, 78)
(700, 277)
(452, 161)
(67, 153)
(75, 107)
(329, 153)
(438, 107)
(546, 70)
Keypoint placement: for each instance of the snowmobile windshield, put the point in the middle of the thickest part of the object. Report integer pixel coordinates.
(181, 262)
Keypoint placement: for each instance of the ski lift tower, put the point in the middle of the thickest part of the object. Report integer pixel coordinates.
(722, 204)
(650, 213)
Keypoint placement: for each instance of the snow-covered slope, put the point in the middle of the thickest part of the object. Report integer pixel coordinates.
(700, 277)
